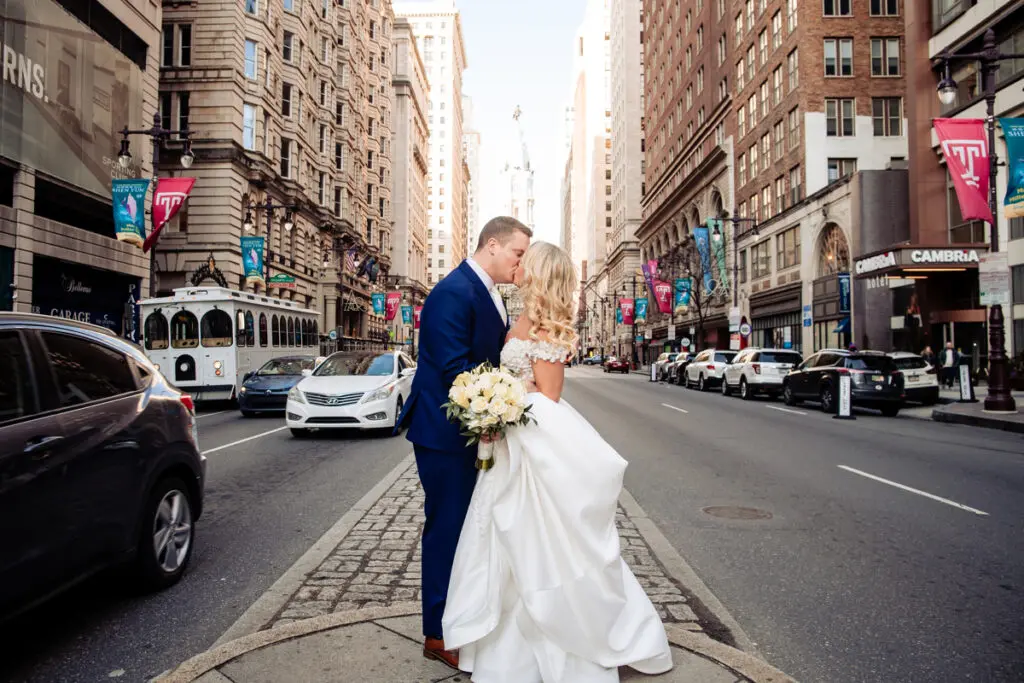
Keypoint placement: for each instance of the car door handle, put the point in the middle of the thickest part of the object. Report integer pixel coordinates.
(40, 447)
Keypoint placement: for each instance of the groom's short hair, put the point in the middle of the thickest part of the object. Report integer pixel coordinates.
(501, 229)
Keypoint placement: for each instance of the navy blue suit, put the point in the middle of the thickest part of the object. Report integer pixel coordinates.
(460, 328)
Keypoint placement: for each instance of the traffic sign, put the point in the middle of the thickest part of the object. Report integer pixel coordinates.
(685, 341)
(332, 335)
(745, 329)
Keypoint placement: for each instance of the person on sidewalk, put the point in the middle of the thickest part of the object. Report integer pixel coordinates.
(949, 360)
(539, 592)
(463, 324)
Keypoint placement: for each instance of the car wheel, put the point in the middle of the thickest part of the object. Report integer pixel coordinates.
(398, 413)
(787, 396)
(166, 536)
(890, 411)
(299, 433)
(828, 399)
(725, 387)
(745, 392)
(700, 383)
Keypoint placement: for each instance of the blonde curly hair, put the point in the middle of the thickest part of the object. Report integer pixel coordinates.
(547, 288)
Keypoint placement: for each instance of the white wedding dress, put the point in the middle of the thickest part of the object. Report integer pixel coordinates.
(539, 592)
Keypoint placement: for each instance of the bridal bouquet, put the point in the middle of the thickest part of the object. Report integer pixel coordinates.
(486, 402)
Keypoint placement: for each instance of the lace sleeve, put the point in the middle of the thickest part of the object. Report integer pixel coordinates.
(544, 350)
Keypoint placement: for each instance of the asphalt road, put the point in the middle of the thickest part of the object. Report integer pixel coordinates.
(268, 499)
(850, 578)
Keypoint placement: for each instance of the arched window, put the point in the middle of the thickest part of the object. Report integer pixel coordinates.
(298, 333)
(216, 328)
(250, 329)
(291, 332)
(239, 328)
(263, 330)
(833, 252)
(316, 333)
(156, 332)
(275, 331)
(307, 334)
(185, 331)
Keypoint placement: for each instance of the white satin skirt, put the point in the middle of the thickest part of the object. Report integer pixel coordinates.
(539, 592)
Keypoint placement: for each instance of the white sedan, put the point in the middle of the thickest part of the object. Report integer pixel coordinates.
(351, 390)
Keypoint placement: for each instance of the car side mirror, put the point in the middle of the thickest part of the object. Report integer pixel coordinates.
(408, 372)
(247, 376)
(306, 372)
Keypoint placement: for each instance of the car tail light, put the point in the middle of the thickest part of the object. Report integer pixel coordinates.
(843, 371)
(756, 367)
(711, 366)
(187, 401)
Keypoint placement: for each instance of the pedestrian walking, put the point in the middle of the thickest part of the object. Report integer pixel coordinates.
(928, 355)
(949, 359)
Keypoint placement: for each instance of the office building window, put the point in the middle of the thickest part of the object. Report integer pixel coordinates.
(779, 138)
(885, 56)
(251, 7)
(793, 65)
(794, 127)
(885, 8)
(887, 116)
(286, 100)
(840, 168)
(760, 260)
(837, 8)
(787, 247)
(839, 56)
(776, 30)
(287, 46)
(286, 158)
(250, 60)
(795, 186)
(249, 126)
(839, 115)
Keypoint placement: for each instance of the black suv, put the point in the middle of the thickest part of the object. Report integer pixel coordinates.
(875, 381)
(99, 461)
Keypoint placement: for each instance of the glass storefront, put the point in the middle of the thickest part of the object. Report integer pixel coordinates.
(778, 331)
(6, 279)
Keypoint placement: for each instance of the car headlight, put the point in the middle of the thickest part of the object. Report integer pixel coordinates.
(379, 394)
(217, 365)
(296, 395)
(242, 390)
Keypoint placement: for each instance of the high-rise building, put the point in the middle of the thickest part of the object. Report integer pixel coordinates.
(471, 152)
(295, 111)
(438, 30)
(517, 179)
(411, 163)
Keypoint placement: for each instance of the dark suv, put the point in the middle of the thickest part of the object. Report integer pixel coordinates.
(876, 382)
(99, 461)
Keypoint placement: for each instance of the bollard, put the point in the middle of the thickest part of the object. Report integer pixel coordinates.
(845, 411)
(654, 373)
(966, 385)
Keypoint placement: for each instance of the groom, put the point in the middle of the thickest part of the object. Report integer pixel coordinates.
(463, 324)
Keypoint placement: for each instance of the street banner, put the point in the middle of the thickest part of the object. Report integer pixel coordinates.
(844, 292)
(129, 198)
(683, 286)
(168, 197)
(640, 311)
(418, 312)
(626, 309)
(663, 295)
(1013, 132)
(650, 271)
(407, 315)
(378, 303)
(618, 315)
(252, 260)
(719, 248)
(394, 299)
(965, 148)
(703, 242)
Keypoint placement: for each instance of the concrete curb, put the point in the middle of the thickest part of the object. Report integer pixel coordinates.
(985, 420)
(277, 596)
(738, 662)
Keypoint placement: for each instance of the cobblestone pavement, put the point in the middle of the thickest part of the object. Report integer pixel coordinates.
(377, 564)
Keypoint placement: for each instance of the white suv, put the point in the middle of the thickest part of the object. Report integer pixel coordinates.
(707, 369)
(756, 371)
(920, 381)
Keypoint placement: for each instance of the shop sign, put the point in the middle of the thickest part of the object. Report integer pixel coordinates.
(89, 295)
(807, 315)
(282, 281)
(844, 292)
(944, 256)
(877, 262)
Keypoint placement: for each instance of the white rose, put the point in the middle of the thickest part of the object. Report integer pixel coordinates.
(501, 390)
(485, 381)
(489, 421)
(478, 405)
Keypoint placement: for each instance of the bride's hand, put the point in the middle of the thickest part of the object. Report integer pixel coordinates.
(531, 386)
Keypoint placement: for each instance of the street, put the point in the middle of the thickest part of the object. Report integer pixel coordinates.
(867, 550)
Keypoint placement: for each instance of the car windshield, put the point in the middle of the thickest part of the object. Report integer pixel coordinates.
(876, 363)
(286, 366)
(724, 357)
(359, 364)
(910, 363)
(779, 357)
(672, 357)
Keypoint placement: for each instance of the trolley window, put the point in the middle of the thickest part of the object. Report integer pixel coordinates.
(250, 329)
(184, 330)
(263, 329)
(156, 332)
(216, 329)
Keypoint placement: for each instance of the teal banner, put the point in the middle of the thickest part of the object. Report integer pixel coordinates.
(252, 260)
(129, 198)
(407, 315)
(618, 315)
(641, 310)
(379, 303)
(1013, 131)
(683, 288)
(718, 246)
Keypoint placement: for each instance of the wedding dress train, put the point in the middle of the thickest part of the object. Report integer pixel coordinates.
(539, 592)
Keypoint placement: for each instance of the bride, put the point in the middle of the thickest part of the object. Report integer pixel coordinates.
(539, 592)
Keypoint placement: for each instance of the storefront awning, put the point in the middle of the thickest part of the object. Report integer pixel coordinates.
(842, 327)
(918, 261)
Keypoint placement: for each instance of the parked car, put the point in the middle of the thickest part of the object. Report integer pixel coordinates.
(920, 380)
(660, 369)
(593, 360)
(614, 364)
(99, 461)
(759, 371)
(876, 382)
(675, 369)
(266, 389)
(351, 390)
(707, 368)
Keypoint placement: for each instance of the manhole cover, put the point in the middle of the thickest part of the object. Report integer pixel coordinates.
(734, 512)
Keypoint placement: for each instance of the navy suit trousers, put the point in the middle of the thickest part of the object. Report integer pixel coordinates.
(448, 479)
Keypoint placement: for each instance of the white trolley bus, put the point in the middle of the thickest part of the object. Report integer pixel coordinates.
(204, 339)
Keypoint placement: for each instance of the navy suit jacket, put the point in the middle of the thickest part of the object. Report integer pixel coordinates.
(460, 328)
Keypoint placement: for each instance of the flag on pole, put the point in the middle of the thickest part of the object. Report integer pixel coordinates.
(965, 148)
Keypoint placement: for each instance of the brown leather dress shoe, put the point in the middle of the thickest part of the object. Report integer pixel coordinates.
(433, 648)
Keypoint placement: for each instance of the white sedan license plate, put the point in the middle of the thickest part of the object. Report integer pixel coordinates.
(912, 378)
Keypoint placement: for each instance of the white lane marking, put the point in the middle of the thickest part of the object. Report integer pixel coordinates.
(674, 408)
(917, 491)
(240, 441)
(786, 410)
(202, 415)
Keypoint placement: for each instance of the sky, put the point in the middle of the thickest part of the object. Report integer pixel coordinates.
(519, 52)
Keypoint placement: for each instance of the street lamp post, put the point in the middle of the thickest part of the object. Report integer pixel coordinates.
(268, 207)
(604, 303)
(632, 337)
(160, 137)
(999, 398)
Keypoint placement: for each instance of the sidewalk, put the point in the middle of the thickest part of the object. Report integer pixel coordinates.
(349, 609)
